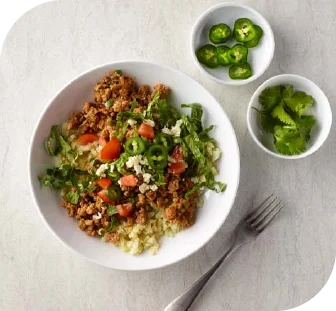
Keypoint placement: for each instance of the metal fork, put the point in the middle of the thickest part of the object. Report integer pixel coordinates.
(246, 231)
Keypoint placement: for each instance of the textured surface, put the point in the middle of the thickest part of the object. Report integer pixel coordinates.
(284, 268)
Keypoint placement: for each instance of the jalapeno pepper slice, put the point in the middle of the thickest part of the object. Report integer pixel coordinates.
(219, 33)
(238, 54)
(244, 30)
(164, 140)
(113, 193)
(207, 55)
(135, 145)
(115, 175)
(222, 52)
(157, 156)
(240, 71)
(254, 42)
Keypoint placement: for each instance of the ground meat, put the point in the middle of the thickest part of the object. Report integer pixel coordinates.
(151, 195)
(162, 89)
(121, 105)
(75, 121)
(140, 216)
(161, 202)
(173, 185)
(71, 208)
(141, 201)
(112, 237)
(170, 212)
(129, 133)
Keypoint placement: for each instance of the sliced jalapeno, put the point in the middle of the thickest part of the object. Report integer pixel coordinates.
(238, 54)
(135, 145)
(164, 140)
(240, 71)
(115, 175)
(157, 156)
(113, 193)
(219, 33)
(254, 42)
(244, 30)
(207, 55)
(222, 52)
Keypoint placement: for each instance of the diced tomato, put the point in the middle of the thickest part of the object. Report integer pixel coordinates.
(146, 130)
(102, 141)
(111, 150)
(104, 182)
(177, 153)
(87, 138)
(177, 168)
(129, 181)
(124, 210)
(103, 195)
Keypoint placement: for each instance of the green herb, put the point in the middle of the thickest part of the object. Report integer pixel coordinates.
(71, 155)
(109, 103)
(52, 143)
(148, 113)
(112, 224)
(111, 210)
(196, 115)
(118, 71)
(72, 197)
(282, 116)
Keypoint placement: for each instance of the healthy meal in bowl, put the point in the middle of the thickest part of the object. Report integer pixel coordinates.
(130, 167)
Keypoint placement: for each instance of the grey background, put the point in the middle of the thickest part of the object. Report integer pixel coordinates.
(284, 268)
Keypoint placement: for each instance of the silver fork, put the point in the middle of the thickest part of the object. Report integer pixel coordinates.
(246, 231)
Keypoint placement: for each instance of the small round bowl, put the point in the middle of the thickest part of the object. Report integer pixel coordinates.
(320, 110)
(259, 57)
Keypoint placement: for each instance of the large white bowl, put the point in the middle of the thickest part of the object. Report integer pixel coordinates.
(209, 218)
(321, 111)
(259, 57)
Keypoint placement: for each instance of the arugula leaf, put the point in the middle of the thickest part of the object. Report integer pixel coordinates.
(72, 197)
(288, 92)
(196, 115)
(299, 102)
(270, 97)
(287, 140)
(280, 113)
(305, 124)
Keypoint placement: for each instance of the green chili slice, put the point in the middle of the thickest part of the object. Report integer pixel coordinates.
(219, 33)
(115, 175)
(164, 140)
(238, 54)
(207, 55)
(240, 71)
(254, 42)
(157, 156)
(114, 193)
(222, 52)
(244, 30)
(135, 145)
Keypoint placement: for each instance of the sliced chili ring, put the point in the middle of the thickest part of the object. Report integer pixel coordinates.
(165, 140)
(157, 156)
(135, 145)
(114, 193)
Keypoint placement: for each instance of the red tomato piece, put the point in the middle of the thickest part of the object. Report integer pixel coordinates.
(87, 138)
(102, 141)
(111, 151)
(103, 195)
(177, 168)
(177, 153)
(129, 181)
(104, 182)
(124, 210)
(146, 130)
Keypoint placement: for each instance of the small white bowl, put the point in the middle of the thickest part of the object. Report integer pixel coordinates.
(320, 110)
(259, 57)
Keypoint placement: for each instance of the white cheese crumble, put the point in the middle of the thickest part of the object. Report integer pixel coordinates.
(100, 172)
(112, 168)
(147, 177)
(92, 147)
(144, 187)
(98, 216)
(136, 162)
(131, 122)
(149, 122)
(175, 130)
(171, 159)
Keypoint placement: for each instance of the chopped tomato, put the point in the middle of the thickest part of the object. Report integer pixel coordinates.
(103, 195)
(87, 138)
(124, 210)
(104, 182)
(177, 153)
(129, 181)
(102, 141)
(111, 150)
(177, 168)
(146, 130)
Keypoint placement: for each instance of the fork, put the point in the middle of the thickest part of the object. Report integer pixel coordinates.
(246, 231)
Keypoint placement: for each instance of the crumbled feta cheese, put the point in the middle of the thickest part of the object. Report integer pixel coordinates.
(119, 182)
(136, 162)
(147, 177)
(144, 187)
(175, 130)
(101, 170)
(171, 159)
(194, 179)
(98, 216)
(149, 122)
(153, 187)
(131, 122)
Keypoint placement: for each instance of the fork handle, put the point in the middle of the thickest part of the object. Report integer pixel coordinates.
(184, 301)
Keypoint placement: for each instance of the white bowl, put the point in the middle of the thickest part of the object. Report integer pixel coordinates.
(209, 218)
(259, 57)
(321, 111)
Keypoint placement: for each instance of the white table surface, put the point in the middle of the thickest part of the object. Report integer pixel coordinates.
(284, 268)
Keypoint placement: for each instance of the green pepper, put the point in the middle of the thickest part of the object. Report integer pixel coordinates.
(254, 42)
(222, 52)
(115, 175)
(240, 71)
(207, 55)
(164, 140)
(111, 210)
(53, 139)
(157, 156)
(244, 30)
(135, 145)
(238, 54)
(219, 33)
(113, 193)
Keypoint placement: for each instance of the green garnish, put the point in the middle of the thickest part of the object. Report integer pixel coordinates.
(282, 115)
(109, 103)
(111, 210)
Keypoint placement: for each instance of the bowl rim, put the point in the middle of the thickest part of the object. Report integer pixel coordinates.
(30, 161)
(312, 148)
(203, 17)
